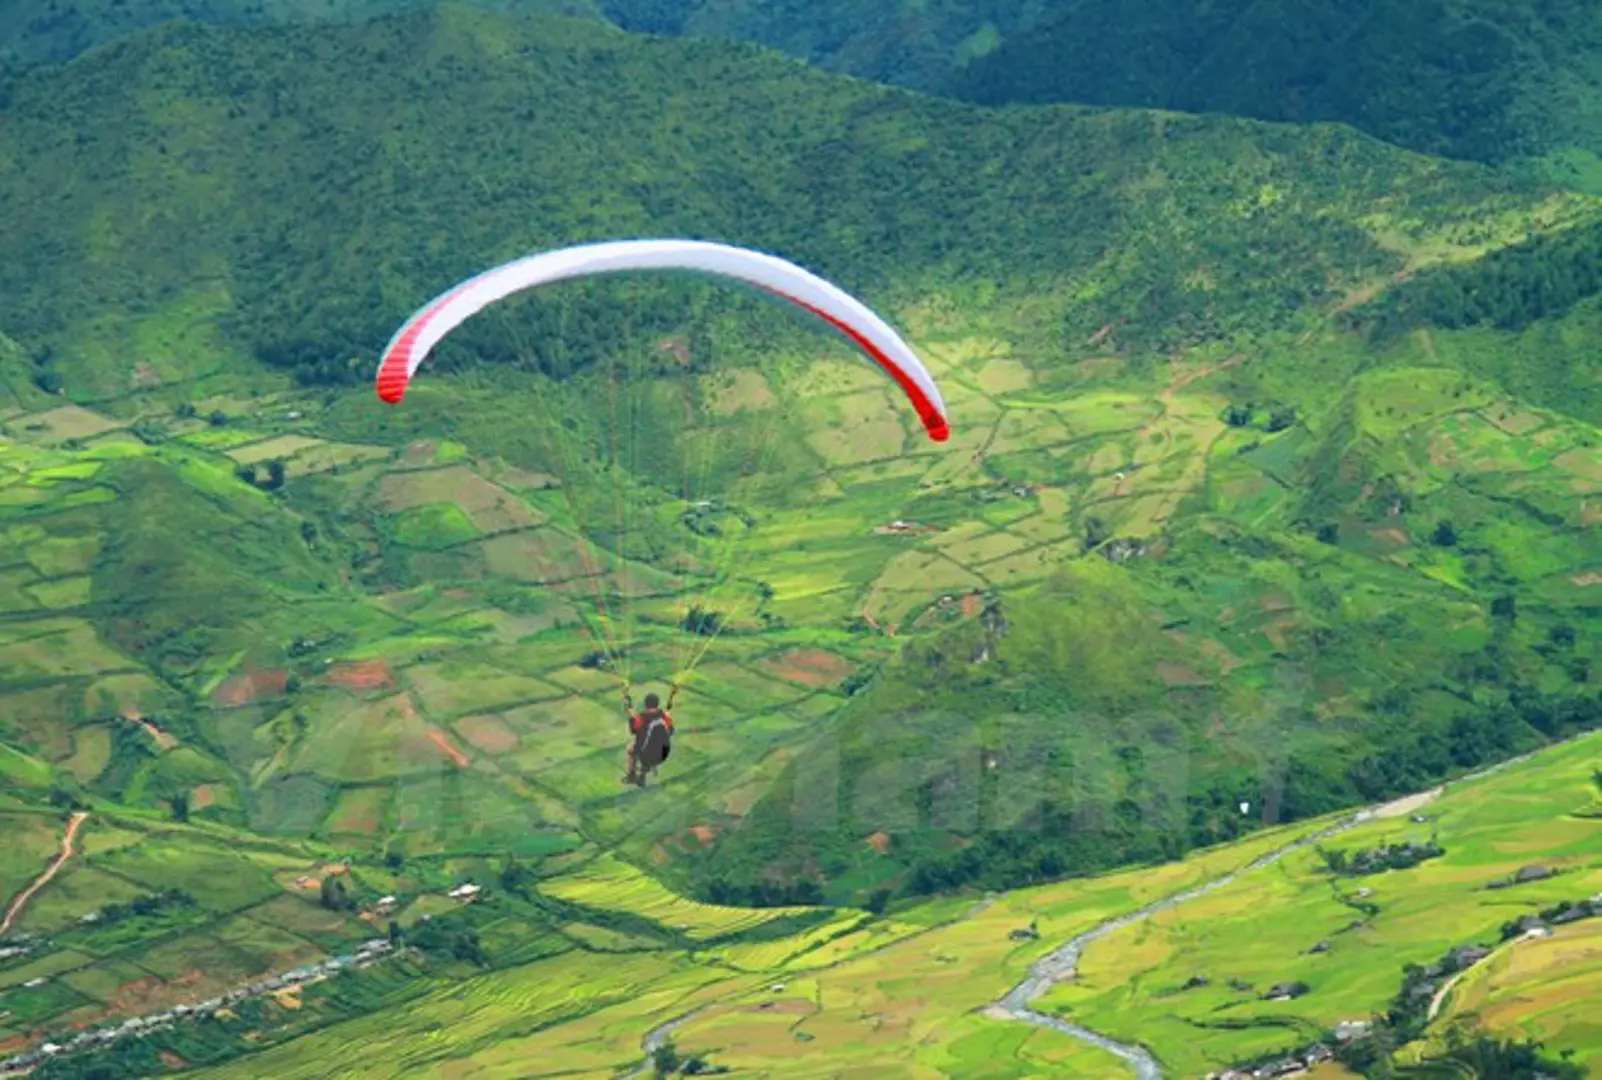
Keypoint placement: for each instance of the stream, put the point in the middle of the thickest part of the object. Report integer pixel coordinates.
(1063, 962)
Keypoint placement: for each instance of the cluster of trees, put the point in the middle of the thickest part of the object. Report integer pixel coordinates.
(1276, 416)
(271, 479)
(149, 904)
(1377, 860)
(1510, 288)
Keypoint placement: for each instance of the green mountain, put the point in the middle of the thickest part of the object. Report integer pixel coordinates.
(1274, 482)
(1047, 285)
(1483, 80)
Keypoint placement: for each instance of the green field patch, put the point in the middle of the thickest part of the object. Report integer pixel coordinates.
(281, 447)
(305, 918)
(99, 835)
(120, 695)
(549, 557)
(736, 684)
(358, 811)
(489, 735)
(1024, 431)
(73, 893)
(34, 1005)
(435, 526)
(561, 730)
(55, 474)
(1032, 565)
(472, 814)
(48, 966)
(459, 687)
(223, 438)
(178, 770)
(490, 507)
(360, 742)
(49, 648)
(32, 840)
(983, 548)
(581, 680)
(63, 592)
(218, 878)
(91, 751)
(17, 590)
(104, 980)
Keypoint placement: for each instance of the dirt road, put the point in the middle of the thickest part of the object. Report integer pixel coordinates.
(67, 840)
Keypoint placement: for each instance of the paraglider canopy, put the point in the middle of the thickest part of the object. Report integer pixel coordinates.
(425, 329)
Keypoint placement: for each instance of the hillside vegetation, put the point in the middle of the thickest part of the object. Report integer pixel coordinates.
(1162, 434)
(1067, 221)
(1479, 79)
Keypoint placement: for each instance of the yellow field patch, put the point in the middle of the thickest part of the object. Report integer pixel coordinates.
(284, 446)
(1585, 464)
(67, 422)
(1004, 375)
(491, 507)
(333, 455)
(733, 392)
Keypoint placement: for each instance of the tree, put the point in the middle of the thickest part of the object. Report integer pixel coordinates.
(1329, 533)
(180, 806)
(275, 475)
(1445, 535)
(1096, 533)
(1281, 417)
(1505, 607)
(665, 1060)
(333, 895)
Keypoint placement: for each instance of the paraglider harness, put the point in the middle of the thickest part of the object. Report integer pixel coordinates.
(653, 736)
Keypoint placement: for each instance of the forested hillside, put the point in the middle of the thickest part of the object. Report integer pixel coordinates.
(1478, 79)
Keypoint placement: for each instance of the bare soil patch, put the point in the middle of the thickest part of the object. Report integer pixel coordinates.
(361, 675)
(249, 686)
(488, 733)
(446, 747)
(809, 667)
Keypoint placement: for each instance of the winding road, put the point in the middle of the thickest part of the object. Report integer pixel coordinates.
(21, 901)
